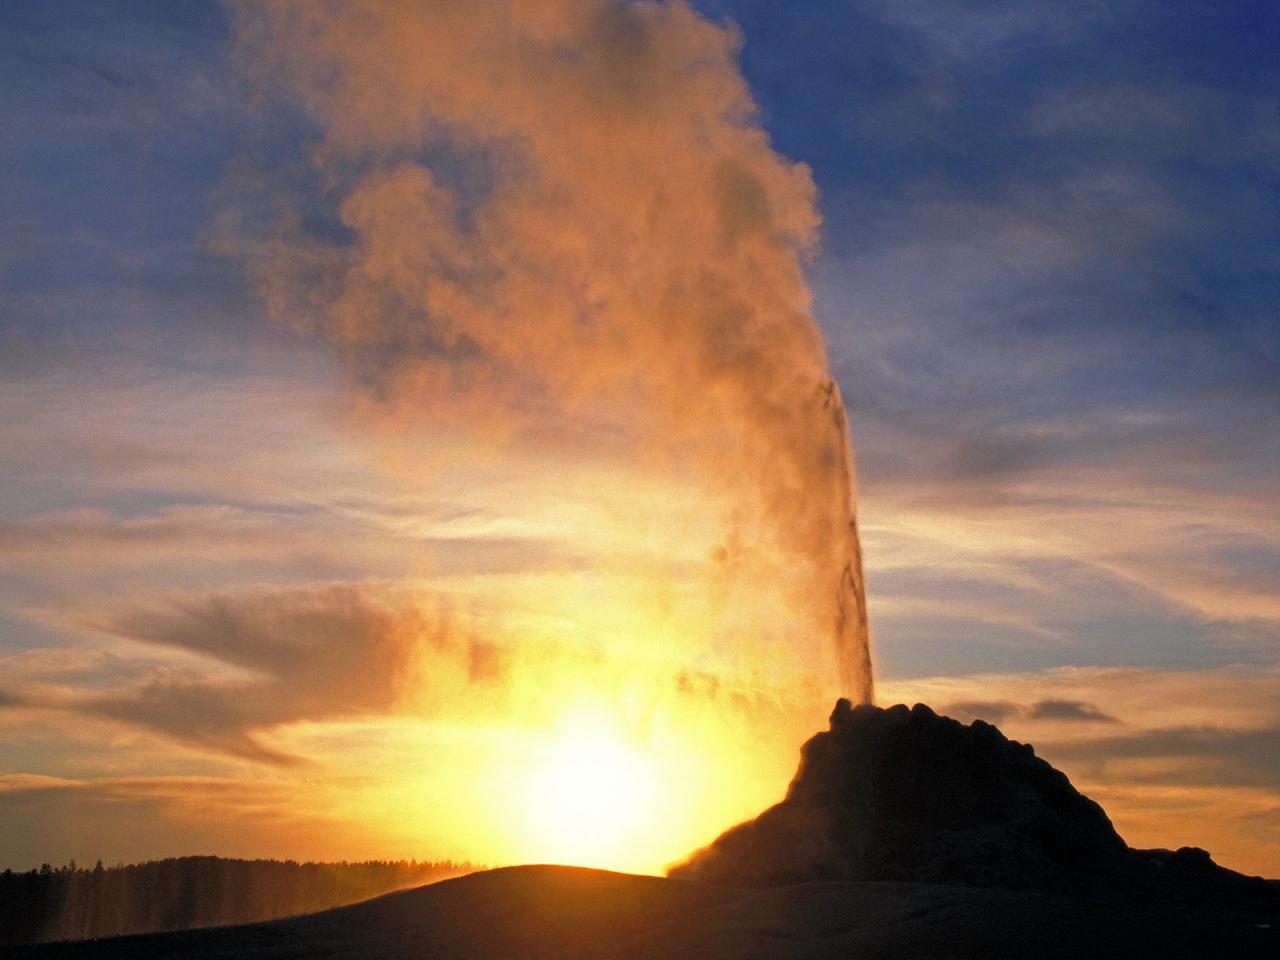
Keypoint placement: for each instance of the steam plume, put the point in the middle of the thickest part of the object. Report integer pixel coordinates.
(563, 217)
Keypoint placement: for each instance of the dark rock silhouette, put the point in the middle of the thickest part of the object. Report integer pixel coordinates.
(906, 795)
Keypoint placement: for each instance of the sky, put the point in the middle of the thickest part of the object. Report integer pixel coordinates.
(293, 565)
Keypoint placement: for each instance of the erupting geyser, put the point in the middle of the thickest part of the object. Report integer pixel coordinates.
(564, 220)
(853, 629)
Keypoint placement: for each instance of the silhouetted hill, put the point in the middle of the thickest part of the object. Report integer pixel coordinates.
(906, 795)
(539, 913)
(67, 903)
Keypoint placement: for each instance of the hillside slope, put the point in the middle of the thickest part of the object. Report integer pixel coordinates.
(539, 912)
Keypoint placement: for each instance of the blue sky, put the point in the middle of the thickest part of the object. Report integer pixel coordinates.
(1050, 247)
(1048, 278)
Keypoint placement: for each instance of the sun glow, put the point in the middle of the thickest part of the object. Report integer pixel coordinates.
(592, 796)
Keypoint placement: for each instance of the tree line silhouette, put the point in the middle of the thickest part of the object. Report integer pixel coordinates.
(72, 903)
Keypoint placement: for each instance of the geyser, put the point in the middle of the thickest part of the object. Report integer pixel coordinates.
(564, 220)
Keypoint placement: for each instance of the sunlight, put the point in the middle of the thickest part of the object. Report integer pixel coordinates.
(591, 797)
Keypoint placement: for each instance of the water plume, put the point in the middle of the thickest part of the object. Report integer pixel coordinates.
(561, 224)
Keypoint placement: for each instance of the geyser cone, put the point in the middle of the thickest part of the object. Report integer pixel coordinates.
(906, 795)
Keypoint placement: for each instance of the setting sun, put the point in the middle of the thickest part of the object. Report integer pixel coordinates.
(591, 797)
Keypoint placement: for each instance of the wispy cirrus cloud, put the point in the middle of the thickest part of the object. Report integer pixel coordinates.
(998, 711)
(263, 660)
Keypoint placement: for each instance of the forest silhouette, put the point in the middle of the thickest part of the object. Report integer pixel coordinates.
(73, 903)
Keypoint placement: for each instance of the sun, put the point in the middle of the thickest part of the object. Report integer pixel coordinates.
(591, 797)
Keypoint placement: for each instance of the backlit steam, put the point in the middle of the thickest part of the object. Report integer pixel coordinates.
(559, 224)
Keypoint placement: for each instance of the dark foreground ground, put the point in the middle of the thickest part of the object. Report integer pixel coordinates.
(542, 912)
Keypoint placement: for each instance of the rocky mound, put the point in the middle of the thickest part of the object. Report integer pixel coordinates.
(906, 795)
